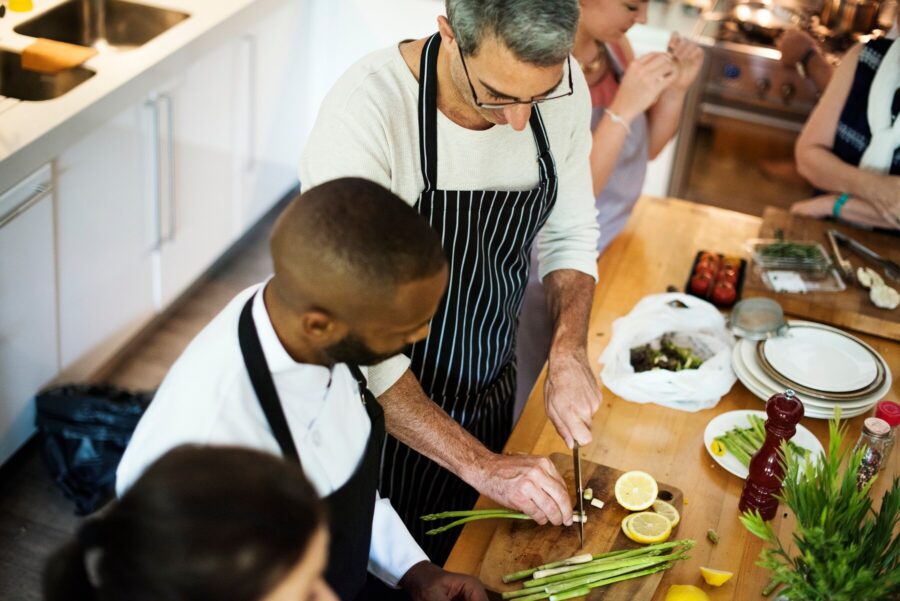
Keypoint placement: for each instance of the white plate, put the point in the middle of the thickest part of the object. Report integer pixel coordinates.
(723, 423)
(763, 392)
(750, 362)
(821, 359)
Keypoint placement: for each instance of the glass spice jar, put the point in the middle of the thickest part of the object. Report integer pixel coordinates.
(876, 440)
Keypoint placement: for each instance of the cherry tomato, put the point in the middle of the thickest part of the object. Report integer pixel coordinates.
(700, 284)
(724, 294)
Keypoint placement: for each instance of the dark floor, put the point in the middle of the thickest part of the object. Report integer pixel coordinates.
(35, 518)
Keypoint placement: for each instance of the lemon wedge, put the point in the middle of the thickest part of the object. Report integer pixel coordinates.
(668, 510)
(686, 592)
(715, 577)
(636, 491)
(718, 449)
(647, 527)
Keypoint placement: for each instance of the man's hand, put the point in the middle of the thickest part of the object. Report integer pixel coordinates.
(571, 396)
(528, 484)
(427, 582)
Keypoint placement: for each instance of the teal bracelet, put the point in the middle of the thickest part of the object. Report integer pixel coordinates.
(839, 204)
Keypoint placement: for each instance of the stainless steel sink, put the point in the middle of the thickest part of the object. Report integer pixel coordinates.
(17, 82)
(103, 24)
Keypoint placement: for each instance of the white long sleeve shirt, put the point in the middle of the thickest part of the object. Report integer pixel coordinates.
(368, 127)
(207, 398)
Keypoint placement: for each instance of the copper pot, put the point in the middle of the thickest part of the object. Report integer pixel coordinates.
(850, 16)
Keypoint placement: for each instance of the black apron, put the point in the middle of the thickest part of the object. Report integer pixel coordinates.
(352, 506)
(467, 362)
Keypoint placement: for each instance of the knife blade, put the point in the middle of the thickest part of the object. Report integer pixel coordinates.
(579, 490)
(891, 269)
(843, 264)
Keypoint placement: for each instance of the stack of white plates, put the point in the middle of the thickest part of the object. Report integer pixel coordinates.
(826, 367)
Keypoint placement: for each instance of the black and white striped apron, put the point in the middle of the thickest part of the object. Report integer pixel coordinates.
(467, 362)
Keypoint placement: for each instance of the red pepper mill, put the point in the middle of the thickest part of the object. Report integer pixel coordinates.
(766, 472)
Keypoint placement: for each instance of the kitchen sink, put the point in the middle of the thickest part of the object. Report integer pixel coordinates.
(22, 84)
(102, 24)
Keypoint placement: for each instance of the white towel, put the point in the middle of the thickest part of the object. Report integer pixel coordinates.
(879, 153)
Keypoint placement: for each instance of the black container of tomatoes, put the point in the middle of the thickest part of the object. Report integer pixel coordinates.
(716, 278)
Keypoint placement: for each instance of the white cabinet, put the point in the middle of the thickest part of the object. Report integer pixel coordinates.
(28, 352)
(270, 101)
(106, 240)
(192, 181)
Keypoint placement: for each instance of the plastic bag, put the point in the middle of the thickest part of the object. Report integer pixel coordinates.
(689, 318)
(85, 430)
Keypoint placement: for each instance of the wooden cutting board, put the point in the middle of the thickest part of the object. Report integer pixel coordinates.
(848, 309)
(518, 545)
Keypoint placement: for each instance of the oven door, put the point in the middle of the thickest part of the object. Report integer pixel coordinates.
(741, 159)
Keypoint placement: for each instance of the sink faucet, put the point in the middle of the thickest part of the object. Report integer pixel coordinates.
(93, 15)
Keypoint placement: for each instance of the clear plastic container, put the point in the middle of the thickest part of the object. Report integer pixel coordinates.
(790, 255)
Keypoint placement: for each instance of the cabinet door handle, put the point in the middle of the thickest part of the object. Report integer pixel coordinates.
(155, 155)
(39, 191)
(170, 158)
(249, 42)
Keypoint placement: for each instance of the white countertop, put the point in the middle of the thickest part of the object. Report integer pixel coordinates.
(22, 123)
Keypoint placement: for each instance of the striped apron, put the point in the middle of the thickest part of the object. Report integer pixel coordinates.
(467, 362)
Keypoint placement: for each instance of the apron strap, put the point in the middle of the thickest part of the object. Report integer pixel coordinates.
(428, 111)
(540, 135)
(263, 385)
(368, 399)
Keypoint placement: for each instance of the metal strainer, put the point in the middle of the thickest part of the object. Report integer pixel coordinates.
(757, 318)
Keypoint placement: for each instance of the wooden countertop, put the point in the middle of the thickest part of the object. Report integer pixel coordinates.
(655, 251)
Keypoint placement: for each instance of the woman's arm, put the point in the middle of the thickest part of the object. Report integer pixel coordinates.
(855, 210)
(643, 82)
(665, 115)
(817, 162)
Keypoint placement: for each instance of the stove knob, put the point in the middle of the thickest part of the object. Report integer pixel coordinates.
(787, 92)
(731, 71)
(763, 86)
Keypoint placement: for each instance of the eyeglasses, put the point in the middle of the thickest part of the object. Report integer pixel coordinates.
(502, 105)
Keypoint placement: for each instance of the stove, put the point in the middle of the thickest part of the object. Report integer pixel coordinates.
(742, 117)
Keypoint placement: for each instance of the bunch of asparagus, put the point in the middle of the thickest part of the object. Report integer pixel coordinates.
(576, 576)
(743, 443)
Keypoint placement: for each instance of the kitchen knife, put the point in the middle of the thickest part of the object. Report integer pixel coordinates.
(579, 491)
(891, 269)
(843, 264)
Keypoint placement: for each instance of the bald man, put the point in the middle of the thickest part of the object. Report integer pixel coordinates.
(358, 276)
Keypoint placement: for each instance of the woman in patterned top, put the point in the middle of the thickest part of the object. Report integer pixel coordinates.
(850, 147)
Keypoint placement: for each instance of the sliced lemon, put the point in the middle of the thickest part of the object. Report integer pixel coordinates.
(625, 524)
(686, 592)
(636, 491)
(718, 449)
(647, 527)
(715, 577)
(668, 510)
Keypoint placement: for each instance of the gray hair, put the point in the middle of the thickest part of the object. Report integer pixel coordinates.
(540, 32)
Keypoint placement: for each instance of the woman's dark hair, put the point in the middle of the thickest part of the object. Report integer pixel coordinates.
(201, 524)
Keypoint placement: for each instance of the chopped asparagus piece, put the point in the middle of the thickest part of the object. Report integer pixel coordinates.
(713, 536)
(597, 503)
(588, 494)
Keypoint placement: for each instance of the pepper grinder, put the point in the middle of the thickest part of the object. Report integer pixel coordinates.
(784, 411)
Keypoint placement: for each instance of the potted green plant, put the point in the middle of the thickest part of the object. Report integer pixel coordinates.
(845, 550)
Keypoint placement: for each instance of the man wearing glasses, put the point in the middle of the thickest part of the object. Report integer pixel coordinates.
(485, 129)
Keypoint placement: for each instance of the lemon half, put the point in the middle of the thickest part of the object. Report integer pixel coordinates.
(715, 577)
(668, 510)
(647, 527)
(636, 491)
(686, 592)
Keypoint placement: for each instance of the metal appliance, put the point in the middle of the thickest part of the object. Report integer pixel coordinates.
(736, 143)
